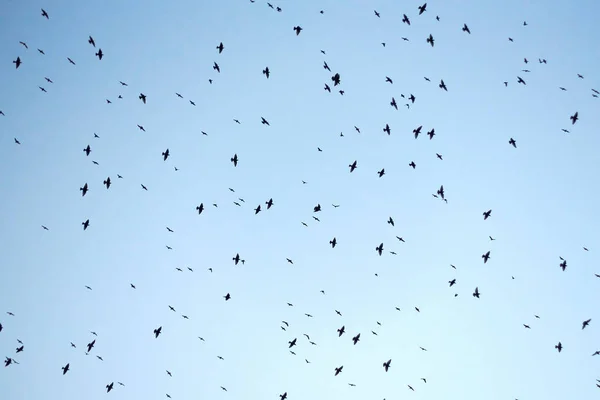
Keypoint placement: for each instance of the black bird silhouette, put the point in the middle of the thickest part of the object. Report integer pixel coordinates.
(234, 160)
(338, 370)
(442, 85)
(85, 224)
(45, 14)
(109, 387)
(333, 242)
(405, 19)
(84, 189)
(157, 332)
(465, 28)
(71, 61)
(486, 257)
(144, 187)
(266, 72)
(412, 164)
(220, 47)
(431, 134)
(298, 29)
(335, 79)
(387, 129)
(200, 208)
(227, 297)
(257, 210)
(386, 365)
(377, 14)
(107, 182)
(574, 117)
(292, 343)
(440, 192)
(165, 154)
(430, 40)
(91, 41)
(390, 221)
(90, 345)
(393, 103)
(99, 54)
(559, 347)
(388, 79)
(512, 142)
(65, 368)
(452, 282)
(381, 173)
(586, 323)
(476, 292)
(379, 249)
(423, 8)
(487, 214)
(417, 131)
(269, 203)
(142, 97)
(325, 66)
(520, 80)
(352, 166)
(216, 67)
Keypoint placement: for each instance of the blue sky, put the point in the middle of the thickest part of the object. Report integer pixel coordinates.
(541, 193)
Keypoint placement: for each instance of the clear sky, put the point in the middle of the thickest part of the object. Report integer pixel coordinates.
(542, 195)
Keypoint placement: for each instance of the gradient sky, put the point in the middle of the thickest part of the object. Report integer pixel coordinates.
(543, 196)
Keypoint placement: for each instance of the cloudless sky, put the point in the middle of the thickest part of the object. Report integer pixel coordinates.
(542, 195)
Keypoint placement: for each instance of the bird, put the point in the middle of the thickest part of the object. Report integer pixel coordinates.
(91, 41)
(220, 47)
(486, 214)
(142, 97)
(99, 54)
(585, 323)
(234, 160)
(559, 347)
(352, 166)
(465, 28)
(84, 189)
(227, 297)
(422, 8)
(65, 369)
(386, 365)
(442, 85)
(107, 182)
(476, 293)
(266, 72)
(405, 19)
(85, 224)
(109, 387)
(430, 40)
(264, 121)
(71, 61)
(333, 242)
(17, 62)
(513, 143)
(165, 154)
(338, 370)
(157, 332)
(297, 29)
(574, 118)
(45, 14)
(486, 257)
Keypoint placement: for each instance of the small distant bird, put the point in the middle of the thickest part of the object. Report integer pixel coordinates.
(142, 97)
(200, 208)
(298, 29)
(476, 292)
(423, 8)
(486, 257)
(442, 85)
(338, 370)
(86, 224)
(333, 242)
(45, 14)
(157, 331)
(559, 347)
(574, 117)
(165, 154)
(71, 61)
(487, 214)
(266, 72)
(586, 323)
(91, 41)
(405, 19)
(412, 164)
(465, 28)
(227, 297)
(17, 62)
(430, 40)
(234, 160)
(220, 47)
(264, 121)
(353, 166)
(520, 80)
(107, 182)
(386, 365)
(109, 387)
(512, 142)
(381, 173)
(99, 54)
(65, 368)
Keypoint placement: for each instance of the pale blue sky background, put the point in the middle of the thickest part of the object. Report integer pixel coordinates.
(543, 197)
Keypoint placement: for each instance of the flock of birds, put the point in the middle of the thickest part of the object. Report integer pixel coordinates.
(336, 81)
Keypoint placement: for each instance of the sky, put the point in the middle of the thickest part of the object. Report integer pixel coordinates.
(541, 193)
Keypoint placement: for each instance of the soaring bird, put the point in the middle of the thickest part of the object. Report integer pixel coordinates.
(386, 365)
(298, 29)
(574, 117)
(220, 47)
